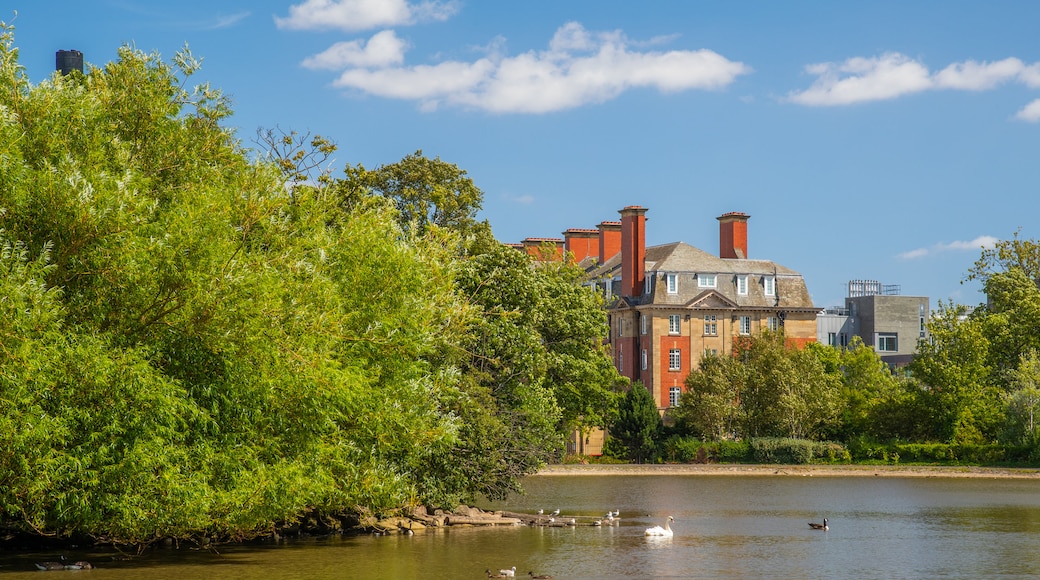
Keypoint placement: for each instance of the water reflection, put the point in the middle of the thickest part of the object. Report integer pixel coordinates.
(725, 527)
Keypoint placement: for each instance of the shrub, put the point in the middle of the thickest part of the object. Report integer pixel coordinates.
(781, 450)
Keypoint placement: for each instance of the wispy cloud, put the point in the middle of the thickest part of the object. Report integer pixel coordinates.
(578, 67)
(355, 15)
(226, 21)
(893, 75)
(525, 199)
(977, 244)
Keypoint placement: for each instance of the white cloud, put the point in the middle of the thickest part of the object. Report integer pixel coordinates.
(977, 244)
(383, 49)
(893, 75)
(1030, 112)
(866, 79)
(975, 76)
(353, 15)
(579, 67)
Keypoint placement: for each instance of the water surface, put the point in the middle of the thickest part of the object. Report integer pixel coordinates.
(725, 527)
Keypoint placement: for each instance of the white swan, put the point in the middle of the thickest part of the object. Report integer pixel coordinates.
(508, 573)
(659, 531)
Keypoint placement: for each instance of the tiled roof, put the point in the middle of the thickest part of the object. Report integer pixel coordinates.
(687, 262)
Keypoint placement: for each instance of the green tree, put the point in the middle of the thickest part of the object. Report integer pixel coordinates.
(638, 426)
(711, 402)
(954, 369)
(1005, 255)
(195, 352)
(787, 391)
(427, 192)
(1024, 401)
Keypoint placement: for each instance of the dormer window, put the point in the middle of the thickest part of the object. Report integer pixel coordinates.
(769, 285)
(742, 285)
(673, 283)
(648, 284)
(706, 280)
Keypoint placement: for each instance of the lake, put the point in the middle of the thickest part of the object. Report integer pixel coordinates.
(725, 527)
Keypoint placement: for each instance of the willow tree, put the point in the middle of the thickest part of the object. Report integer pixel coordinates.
(194, 351)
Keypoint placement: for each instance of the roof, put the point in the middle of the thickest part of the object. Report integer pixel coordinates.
(691, 264)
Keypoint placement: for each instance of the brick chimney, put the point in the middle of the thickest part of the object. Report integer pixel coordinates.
(733, 235)
(633, 250)
(609, 240)
(582, 243)
(533, 247)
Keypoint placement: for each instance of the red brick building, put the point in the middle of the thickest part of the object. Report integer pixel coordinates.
(671, 304)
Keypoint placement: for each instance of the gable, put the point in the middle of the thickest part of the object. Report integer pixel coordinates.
(711, 300)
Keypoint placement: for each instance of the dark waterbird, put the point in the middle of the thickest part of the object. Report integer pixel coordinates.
(822, 526)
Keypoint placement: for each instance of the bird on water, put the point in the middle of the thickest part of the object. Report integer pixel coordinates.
(659, 531)
(817, 526)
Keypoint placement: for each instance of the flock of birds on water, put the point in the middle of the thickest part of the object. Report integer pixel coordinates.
(611, 518)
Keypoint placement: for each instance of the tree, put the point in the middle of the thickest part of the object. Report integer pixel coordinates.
(638, 426)
(1024, 400)
(1005, 255)
(711, 403)
(191, 351)
(427, 192)
(953, 366)
(534, 366)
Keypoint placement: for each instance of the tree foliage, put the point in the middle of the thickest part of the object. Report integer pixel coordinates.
(193, 351)
(765, 389)
(200, 341)
(426, 192)
(638, 426)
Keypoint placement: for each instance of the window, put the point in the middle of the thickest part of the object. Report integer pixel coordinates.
(742, 285)
(673, 283)
(621, 326)
(673, 396)
(711, 352)
(706, 280)
(832, 339)
(773, 323)
(642, 362)
(711, 327)
(642, 324)
(673, 324)
(769, 285)
(648, 285)
(620, 362)
(887, 343)
(674, 360)
(844, 340)
(745, 325)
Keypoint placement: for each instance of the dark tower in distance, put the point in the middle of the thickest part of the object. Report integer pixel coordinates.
(67, 61)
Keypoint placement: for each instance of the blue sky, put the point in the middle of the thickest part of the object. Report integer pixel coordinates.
(867, 140)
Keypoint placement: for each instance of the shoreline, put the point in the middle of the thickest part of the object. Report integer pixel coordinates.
(738, 469)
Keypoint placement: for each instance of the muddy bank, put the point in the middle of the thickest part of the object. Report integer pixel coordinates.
(794, 470)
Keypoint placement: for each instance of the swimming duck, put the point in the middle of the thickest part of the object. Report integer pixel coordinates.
(79, 565)
(540, 576)
(659, 531)
(822, 526)
(50, 566)
(490, 575)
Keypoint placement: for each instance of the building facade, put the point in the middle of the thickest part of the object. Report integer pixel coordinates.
(671, 304)
(886, 321)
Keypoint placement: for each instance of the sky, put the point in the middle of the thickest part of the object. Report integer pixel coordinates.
(883, 140)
